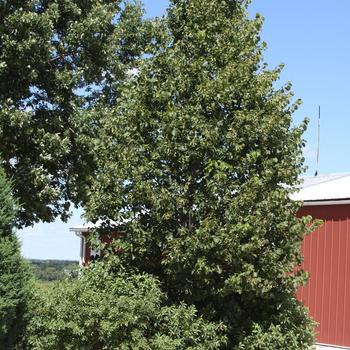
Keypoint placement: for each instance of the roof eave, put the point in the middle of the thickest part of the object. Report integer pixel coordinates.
(80, 229)
(342, 201)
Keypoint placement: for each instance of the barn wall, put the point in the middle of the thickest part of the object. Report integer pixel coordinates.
(327, 259)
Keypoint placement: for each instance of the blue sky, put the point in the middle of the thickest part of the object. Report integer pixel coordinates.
(312, 39)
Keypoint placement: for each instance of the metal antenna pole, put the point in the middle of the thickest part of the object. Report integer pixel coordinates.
(318, 140)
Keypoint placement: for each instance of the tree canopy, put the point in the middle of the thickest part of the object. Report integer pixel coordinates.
(197, 161)
(58, 58)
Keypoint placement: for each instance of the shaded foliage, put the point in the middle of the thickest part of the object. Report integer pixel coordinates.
(58, 58)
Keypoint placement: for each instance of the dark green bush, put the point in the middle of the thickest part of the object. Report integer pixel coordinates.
(14, 273)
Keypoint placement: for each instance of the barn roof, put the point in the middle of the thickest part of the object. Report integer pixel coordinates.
(329, 187)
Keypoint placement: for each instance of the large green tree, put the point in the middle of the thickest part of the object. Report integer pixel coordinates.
(197, 161)
(14, 273)
(58, 58)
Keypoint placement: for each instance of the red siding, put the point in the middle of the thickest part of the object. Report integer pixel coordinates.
(327, 259)
(87, 253)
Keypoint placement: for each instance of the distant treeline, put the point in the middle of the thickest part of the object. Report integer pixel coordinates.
(54, 270)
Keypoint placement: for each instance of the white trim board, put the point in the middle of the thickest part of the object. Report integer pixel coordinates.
(330, 347)
(328, 202)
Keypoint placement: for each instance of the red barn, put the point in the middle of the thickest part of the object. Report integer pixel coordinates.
(326, 257)
(87, 253)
